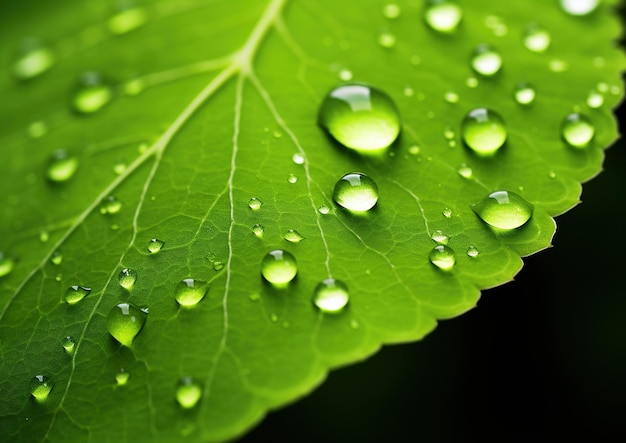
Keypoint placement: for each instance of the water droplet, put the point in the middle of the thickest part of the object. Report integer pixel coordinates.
(483, 131)
(579, 7)
(292, 179)
(255, 296)
(134, 87)
(258, 230)
(558, 65)
(119, 168)
(354, 324)
(33, 59)
(40, 387)
(447, 212)
(127, 20)
(61, 166)
(615, 90)
(323, 209)
(58, 277)
(188, 392)
(360, 117)
(331, 296)
(448, 133)
(56, 258)
(93, 93)
(124, 322)
(37, 129)
(127, 278)
(155, 245)
(121, 378)
(442, 256)
(451, 97)
(356, 192)
(552, 174)
(391, 11)
(471, 82)
(577, 130)
(504, 210)
(443, 15)
(44, 236)
(524, 94)
(595, 100)
(439, 237)
(279, 267)
(274, 318)
(218, 265)
(298, 159)
(110, 205)
(277, 134)
(293, 236)
(472, 252)
(465, 171)
(386, 39)
(345, 75)
(414, 150)
(255, 204)
(76, 293)
(68, 344)
(408, 91)
(190, 292)
(486, 60)
(536, 38)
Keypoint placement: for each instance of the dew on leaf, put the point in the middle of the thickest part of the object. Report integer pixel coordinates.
(439, 237)
(451, 97)
(442, 257)
(472, 251)
(524, 94)
(33, 59)
(292, 179)
(134, 87)
(68, 344)
(345, 75)
(92, 94)
(218, 265)
(279, 267)
(558, 65)
(323, 209)
(121, 378)
(579, 7)
(447, 212)
(465, 171)
(471, 82)
(76, 293)
(189, 292)
(44, 236)
(155, 245)
(254, 296)
(386, 39)
(391, 11)
(61, 166)
(56, 258)
(119, 168)
(577, 130)
(258, 230)
(414, 150)
(127, 20)
(485, 60)
(356, 192)
(110, 205)
(125, 321)
(360, 117)
(188, 392)
(58, 277)
(443, 15)
(37, 129)
(448, 133)
(255, 204)
(595, 99)
(504, 210)
(331, 296)
(298, 159)
(127, 278)
(536, 38)
(40, 387)
(293, 236)
(408, 91)
(483, 131)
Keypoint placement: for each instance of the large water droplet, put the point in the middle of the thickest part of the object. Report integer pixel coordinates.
(577, 130)
(92, 94)
(127, 278)
(125, 321)
(483, 131)
(155, 245)
(6, 265)
(331, 296)
(33, 60)
(536, 38)
(61, 166)
(293, 236)
(442, 257)
(40, 387)
(356, 192)
(524, 94)
(127, 20)
(504, 210)
(190, 292)
(485, 60)
(121, 378)
(76, 293)
(360, 117)
(255, 204)
(188, 392)
(439, 237)
(279, 267)
(68, 344)
(443, 15)
(579, 7)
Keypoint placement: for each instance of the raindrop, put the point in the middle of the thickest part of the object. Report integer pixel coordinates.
(504, 210)
(472, 252)
(414, 150)
(155, 245)
(127, 20)
(391, 10)
(293, 236)
(448, 133)
(40, 387)
(258, 230)
(68, 344)
(408, 91)
(110, 205)
(356, 192)
(536, 38)
(190, 292)
(323, 209)
(465, 171)
(486, 60)
(439, 237)
(442, 257)
(119, 168)
(579, 7)
(121, 378)
(92, 94)
(360, 117)
(188, 392)
(127, 278)
(447, 212)
(451, 97)
(134, 87)
(255, 204)
(552, 174)
(354, 324)
(292, 179)
(595, 100)
(577, 130)
(345, 75)
(471, 82)
(558, 65)
(33, 59)
(277, 134)
(44, 236)
(218, 265)
(483, 131)
(125, 321)
(56, 258)
(76, 293)
(443, 15)
(37, 129)
(298, 159)
(386, 39)
(61, 166)
(331, 296)
(524, 94)
(279, 267)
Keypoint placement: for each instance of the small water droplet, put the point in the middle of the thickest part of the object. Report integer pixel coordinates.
(33, 59)
(408, 91)
(602, 87)
(615, 90)
(414, 150)
(68, 344)
(442, 257)
(465, 171)
(61, 166)
(190, 292)
(536, 38)
(124, 322)
(439, 237)
(451, 97)
(58, 277)
(121, 378)
(443, 15)
(485, 60)
(391, 11)
(577, 130)
(37, 129)
(134, 87)
(449, 133)
(155, 245)
(579, 7)
(415, 60)
(524, 94)
(323, 209)
(558, 65)
(255, 296)
(331, 296)
(218, 265)
(360, 117)
(277, 134)
(354, 324)
(292, 179)
(298, 159)
(44, 236)
(483, 131)
(119, 168)
(504, 210)
(471, 82)
(56, 258)
(552, 174)
(40, 387)
(188, 392)
(595, 99)
(472, 252)
(258, 230)
(93, 93)
(345, 75)
(447, 212)
(127, 278)
(386, 39)
(293, 236)
(255, 204)
(110, 205)
(356, 192)
(127, 20)
(274, 318)
(279, 267)
(76, 293)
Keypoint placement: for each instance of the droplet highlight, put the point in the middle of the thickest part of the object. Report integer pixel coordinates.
(486, 61)
(577, 130)
(356, 192)
(110, 205)
(442, 257)
(68, 344)
(56, 258)
(155, 245)
(579, 7)
(279, 267)
(443, 16)
(6, 265)
(536, 38)
(61, 166)
(76, 293)
(258, 230)
(472, 252)
(121, 378)
(255, 204)
(504, 210)
(124, 322)
(293, 236)
(189, 292)
(439, 237)
(92, 94)
(127, 278)
(524, 94)
(33, 59)
(188, 392)
(40, 387)
(331, 296)
(483, 131)
(127, 20)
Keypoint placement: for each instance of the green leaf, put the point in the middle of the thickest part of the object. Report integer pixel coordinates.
(197, 107)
